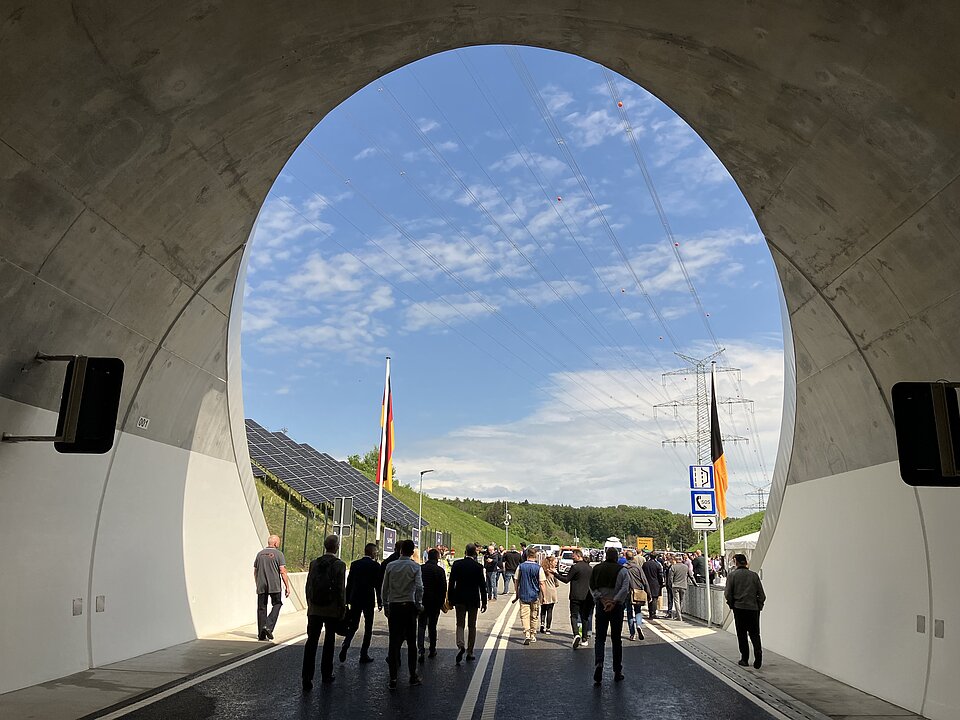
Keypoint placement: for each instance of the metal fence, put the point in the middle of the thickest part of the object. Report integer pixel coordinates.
(695, 604)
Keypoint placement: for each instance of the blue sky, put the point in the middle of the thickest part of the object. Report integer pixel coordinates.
(497, 240)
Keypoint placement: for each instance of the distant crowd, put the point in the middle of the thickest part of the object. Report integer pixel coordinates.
(412, 596)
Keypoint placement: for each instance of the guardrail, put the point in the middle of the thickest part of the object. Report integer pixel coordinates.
(695, 604)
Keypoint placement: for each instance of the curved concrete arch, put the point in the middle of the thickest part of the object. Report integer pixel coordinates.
(138, 140)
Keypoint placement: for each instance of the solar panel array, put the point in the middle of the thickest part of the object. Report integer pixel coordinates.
(320, 478)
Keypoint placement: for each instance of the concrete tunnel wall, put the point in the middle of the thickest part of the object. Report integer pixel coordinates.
(138, 141)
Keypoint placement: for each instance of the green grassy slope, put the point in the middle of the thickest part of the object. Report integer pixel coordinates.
(464, 527)
(292, 541)
(733, 529)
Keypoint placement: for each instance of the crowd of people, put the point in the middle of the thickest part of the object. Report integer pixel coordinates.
(413, 596)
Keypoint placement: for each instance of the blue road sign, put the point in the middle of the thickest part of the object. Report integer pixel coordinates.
(703, 502)
(701, 477)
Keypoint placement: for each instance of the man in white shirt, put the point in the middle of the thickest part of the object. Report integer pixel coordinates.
(402, 602)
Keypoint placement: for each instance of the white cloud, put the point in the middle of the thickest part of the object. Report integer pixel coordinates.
(365, 153)
(427, 124)
(556, 455)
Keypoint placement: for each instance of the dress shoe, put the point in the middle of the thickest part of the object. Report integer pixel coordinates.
(365, 659)
(758, 663)
(307, 685)
(460, 655)
(416, 680)
(269, 634)
(392, 684)
(598, 674)
(618, 677)
(328, 679)
(639, 634)
(432, 653)
(743, 663)
(471, 658)
(343, 655)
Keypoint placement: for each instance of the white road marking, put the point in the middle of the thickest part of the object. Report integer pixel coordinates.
(199, 679)
(493, 690)
(717, 674)
(473, 691)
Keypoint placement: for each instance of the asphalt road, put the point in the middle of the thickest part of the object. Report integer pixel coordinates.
(508, 680)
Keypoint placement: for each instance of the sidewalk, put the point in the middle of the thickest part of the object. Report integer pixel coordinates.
(92, 693)
(793, 689)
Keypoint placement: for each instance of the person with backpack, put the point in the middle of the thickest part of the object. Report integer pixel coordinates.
(403, 602)
(326, 607)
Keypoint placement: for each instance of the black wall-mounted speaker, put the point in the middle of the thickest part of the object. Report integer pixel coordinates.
(927, 420)
(89, 405)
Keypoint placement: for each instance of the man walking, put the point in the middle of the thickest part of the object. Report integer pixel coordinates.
(326, 606)
(638, 588)
(653, 571)
(610, 583)
(467, 591)
(434, 593)
(699, 567)
(581, 599)
(269, 568)
(363, 587)
(678, 574)
(744, 594)
(403, 601)
(511, 561)
(531, 585)
(492, 564)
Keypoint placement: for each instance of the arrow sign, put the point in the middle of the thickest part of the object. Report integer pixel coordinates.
(704, 522)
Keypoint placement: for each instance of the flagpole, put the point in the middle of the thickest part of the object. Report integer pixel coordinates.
(723, 550)
(381, 466)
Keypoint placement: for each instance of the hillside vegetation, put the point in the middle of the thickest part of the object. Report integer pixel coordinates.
(560, 524)
(464, 527)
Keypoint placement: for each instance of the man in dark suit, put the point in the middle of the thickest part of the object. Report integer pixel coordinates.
(434, 595)
(467, 591)
(363, 586)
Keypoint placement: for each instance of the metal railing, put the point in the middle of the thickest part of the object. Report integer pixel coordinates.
(695, 604)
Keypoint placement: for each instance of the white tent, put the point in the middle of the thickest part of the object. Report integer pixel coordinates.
(744, 544)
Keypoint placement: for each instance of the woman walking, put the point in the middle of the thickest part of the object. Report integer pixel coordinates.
(549, 594)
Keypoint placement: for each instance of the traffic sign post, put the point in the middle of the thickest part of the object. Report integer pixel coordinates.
(703, 515)
(416, 537)
(703, 502)
(701, 477)
(704, 523)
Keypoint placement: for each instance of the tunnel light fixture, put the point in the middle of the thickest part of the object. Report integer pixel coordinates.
(89, 405)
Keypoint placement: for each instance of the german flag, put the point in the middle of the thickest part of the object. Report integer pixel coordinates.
(716, 453)
(385, 459)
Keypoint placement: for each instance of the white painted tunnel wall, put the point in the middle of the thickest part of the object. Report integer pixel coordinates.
(846, 578)
(174, 519)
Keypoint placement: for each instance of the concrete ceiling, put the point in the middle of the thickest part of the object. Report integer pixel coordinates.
(138, 141)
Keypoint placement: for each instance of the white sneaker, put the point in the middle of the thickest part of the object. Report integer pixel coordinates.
(533, 638)
(577, 640)
(585, 643)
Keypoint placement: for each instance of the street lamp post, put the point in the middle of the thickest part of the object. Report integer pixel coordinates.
(420, 513)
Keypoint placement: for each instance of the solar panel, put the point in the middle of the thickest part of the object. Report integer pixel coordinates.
(318, 477)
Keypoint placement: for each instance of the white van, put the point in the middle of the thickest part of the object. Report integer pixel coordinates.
(613, 542)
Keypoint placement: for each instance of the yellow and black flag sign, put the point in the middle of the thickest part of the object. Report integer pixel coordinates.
(716, 453)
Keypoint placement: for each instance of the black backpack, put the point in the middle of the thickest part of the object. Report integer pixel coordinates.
(323, 590)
